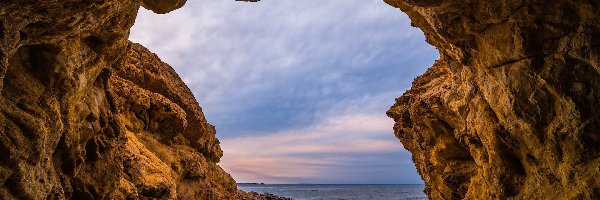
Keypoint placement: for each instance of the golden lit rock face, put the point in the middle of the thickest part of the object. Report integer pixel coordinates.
(171, 151)
(510, 110)
(86, 114)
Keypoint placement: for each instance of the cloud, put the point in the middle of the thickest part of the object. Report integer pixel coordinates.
(328, 151)
(279, 61)
(296, 69)
(340, 134)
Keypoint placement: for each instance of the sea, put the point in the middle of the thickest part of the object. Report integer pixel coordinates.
(338, 191)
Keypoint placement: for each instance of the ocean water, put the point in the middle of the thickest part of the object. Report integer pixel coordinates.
(338, 192)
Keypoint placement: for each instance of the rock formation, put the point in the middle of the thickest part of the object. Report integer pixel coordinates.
(508, 111)
(86, 114)
(256, 196)
(511, 108)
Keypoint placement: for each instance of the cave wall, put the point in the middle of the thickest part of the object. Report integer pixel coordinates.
(510, 110)
(86, 114)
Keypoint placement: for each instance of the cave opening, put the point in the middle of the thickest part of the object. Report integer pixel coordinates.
(298, 91)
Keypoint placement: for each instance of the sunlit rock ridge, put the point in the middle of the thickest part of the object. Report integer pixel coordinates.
(510, 110)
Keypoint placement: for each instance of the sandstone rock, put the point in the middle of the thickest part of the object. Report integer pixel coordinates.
(163, 6)
(510, 108)
(86, 114)
(508, 111)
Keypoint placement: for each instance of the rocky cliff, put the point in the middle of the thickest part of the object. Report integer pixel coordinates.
(511, 108)
(508, 111)
(86, 114)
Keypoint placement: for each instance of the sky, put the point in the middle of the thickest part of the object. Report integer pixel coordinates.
(297, 90)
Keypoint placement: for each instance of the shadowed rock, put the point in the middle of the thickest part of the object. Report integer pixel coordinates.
(163, 6)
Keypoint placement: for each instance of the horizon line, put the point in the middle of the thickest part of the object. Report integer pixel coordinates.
(333, 183)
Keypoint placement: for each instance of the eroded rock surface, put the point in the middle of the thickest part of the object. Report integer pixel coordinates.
(510, 110)
(86, 114)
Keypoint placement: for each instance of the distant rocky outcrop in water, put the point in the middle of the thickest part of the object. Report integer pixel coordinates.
(512, 107)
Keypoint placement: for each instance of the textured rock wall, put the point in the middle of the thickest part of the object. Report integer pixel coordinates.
(511, 108)
(86, 114)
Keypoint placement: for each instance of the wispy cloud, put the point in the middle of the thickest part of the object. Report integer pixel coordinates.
(295, 69)
(340, 134)
(319, 153)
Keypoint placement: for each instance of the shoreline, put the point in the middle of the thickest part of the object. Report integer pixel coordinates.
(244, 195)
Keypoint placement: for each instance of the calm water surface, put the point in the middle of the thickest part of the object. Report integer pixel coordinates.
(338, 192)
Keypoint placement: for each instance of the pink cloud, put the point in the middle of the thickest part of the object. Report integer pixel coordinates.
(307, 152)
